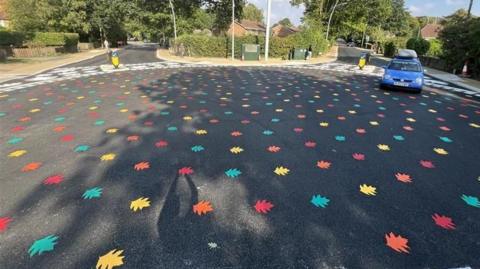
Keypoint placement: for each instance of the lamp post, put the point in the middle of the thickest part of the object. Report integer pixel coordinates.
(233, 30)
(267, 34)
(331, 15)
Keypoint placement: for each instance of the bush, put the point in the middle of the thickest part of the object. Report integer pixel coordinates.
(8, 38)
(436, 49)
(390, 49)
(71, 40)
(420, 45)
(48, 39)
(220, 46)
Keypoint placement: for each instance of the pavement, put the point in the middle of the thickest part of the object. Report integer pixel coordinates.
(170, 165)
(329, 56)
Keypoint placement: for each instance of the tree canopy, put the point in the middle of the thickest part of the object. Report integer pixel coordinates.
(253, 13)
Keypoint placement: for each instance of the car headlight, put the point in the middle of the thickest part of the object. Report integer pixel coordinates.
(419, 80)
(387, 76)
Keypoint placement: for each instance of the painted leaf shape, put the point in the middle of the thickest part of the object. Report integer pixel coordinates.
(323, 164)
(310, 144)
(471, 200)
(92, 193)
(108, 157)
(139, 204)
(397, 243)
(141, 166)
(236, 133)
(443, 221)
(185, 171)
(31, 166)
(358, 156)
(281, 171)
(197, 148)
(82, 148)
(202, 207)
(52, 180)
(368, 190)
(263, 206)
(273, 149)
(43, 245)
(427, 164)
(383, 147)
(405, 178)
(233, 172)
(319, 201)
(4, 221)
(236, 150)
(110, 260)
(161, 144)
(17, 153)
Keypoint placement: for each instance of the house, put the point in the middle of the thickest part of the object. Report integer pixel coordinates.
(4, 21)
(246, 27)
(430, 31)
(283, 31)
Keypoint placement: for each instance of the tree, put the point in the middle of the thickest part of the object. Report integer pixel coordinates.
(285, 22)
(252, 13)
(470, 8)
(223, 10)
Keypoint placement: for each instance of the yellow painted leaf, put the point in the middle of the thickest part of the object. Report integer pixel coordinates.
(281, 171)
(236, 150)
(17, 153)
(110, 260)
(108, 157)
(368, 190)
(139, 204)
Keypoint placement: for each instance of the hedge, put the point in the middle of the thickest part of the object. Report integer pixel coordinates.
(420, 45)
(220, 46)
(8, 38)
(67, 40)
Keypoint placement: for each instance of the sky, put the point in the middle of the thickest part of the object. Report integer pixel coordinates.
(282, 8)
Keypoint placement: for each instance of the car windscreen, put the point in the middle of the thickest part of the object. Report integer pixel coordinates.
(405, 66)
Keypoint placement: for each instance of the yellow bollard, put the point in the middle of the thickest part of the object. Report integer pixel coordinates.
(362, 62)
(115, 59)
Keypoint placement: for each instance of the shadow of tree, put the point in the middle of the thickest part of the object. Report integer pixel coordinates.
(294, 234)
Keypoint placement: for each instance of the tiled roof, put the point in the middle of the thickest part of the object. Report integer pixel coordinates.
(431, 30)
(252, 25)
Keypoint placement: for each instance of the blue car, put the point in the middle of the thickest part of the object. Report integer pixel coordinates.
(403, 72)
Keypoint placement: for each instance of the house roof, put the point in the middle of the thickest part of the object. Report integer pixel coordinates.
(3, 14)
(431, 30)
(283, 31)
(252, 25)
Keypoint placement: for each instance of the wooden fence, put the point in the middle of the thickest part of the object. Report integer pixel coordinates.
(37, 52)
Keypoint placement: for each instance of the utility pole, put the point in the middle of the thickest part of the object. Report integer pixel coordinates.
(267, 37)
(470, 9)
(330, 19)
(233, 30)
(174, 23)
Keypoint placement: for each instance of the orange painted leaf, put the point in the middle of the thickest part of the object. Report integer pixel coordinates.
(405, 178)
(273, 149)
(31, 167)
(142, 166)
(323, 164)
(397, 243)
(202, 207)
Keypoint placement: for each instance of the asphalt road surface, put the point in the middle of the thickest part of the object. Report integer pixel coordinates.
(252, 167)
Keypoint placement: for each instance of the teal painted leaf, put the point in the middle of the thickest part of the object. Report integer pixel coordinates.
(99, 122)
(275, 120)
(164, 113)
(172, 128)
(446, 139)
(43, 245)
(92, 193)
(15, 140)
(3, 114)
(59, 119)
(319, 201)
(198, 148)
(340, 138)
(82, 148)
(398, 137)
(267, 132)
(233, 172)
(471, 200)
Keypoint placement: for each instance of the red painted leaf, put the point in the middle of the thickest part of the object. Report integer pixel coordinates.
(427, 164)
(161, 144)
(67, 138)
(4, 221)
(52, 180)
(358, 156)
(310, 144)
(185, 171)
(263, 206)
(202, 207)
(405, 178)
(443, 221)
(273, 149)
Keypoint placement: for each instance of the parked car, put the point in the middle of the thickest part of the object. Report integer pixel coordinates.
(351, 44)
(404, 71)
